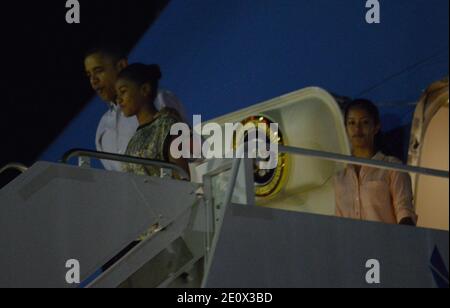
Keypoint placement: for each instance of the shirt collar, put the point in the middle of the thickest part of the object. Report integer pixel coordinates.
(157, 115)
(379, 156)
(111, 105)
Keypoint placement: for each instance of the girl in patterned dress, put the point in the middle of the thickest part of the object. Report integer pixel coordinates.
(137, 88)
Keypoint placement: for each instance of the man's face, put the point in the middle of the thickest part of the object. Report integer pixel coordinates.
(102, 73)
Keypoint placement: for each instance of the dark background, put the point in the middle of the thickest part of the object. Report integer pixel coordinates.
(43, 85)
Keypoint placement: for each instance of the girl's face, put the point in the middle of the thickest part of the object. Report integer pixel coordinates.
(361, 129)
(131, 97)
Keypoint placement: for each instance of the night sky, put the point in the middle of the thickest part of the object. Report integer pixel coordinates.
(44, 86)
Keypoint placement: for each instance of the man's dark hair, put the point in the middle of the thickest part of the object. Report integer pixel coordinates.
(114, 52)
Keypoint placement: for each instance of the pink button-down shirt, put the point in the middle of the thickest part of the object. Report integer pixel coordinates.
(375, 194)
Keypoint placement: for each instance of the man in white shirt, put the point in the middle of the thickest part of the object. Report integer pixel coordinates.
(102, 66)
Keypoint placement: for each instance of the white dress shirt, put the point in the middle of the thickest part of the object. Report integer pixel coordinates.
(115, 131)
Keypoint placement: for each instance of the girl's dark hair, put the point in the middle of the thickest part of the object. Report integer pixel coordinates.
(366, 105)
(141, 74)
(374, 113)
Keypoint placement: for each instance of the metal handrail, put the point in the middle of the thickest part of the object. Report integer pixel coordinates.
(123, 158)
(362, 162)
(14, 166)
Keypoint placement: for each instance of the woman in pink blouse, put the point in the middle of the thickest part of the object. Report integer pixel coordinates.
(367, 193)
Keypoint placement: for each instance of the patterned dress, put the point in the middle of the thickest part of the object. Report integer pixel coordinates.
(151, 141)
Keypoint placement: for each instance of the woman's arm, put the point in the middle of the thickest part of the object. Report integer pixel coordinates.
(407, 221)
(338, 206)
(402, 198)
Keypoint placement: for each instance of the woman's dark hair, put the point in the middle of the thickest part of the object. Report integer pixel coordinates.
(366, 105)
(141, 74)
(374, 113)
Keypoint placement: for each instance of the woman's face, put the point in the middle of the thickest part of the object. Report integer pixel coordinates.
(361, 129)
(130, 97)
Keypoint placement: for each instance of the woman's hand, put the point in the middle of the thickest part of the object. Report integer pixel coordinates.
(407, 221)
